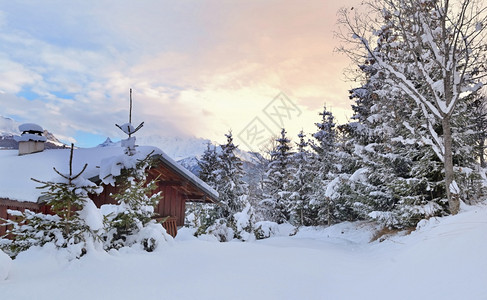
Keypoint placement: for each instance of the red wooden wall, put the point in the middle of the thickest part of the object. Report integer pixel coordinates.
(172, 203)
(6, 204)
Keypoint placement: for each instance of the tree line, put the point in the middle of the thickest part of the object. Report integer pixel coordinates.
(415, 145)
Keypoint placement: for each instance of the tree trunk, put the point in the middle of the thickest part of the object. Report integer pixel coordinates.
(453, 197)
(482, 152)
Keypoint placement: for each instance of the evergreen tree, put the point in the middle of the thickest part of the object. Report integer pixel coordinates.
(224, 171)
(327, 166)
(208, 164)
(396, 140)
(67, 198)
(203, 215)
(432, 52)
(402, 178)
(301, 212)
(132, 220)
(277, 189)
(233, 191)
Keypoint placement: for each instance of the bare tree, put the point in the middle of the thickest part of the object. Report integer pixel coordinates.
(433, 51)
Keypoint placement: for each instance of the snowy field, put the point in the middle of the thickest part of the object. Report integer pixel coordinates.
(444, 259)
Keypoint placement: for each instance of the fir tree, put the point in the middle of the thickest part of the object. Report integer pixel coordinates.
(301, 212)
(432, 52)
(67, 228)
(277, 189)
(233, 191)
(137, 200)
(208, 164)
(326, 164)
(224, 171)
(203, 215)
(131, 222)
(396, 140)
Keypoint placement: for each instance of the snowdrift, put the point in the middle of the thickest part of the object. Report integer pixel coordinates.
(443, 259)
(5, 265)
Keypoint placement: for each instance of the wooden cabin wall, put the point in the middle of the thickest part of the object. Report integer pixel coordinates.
(172, 204)
(6, 204)
(3, 215)
(104, 197)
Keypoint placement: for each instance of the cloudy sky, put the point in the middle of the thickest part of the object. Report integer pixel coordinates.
(197, 68)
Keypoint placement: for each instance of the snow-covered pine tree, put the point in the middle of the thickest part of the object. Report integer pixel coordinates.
(437, 61)
(208, 164)
(479, 109)
(132, 220)
(400, 182)
(68, 199)
(277, 190)
(301, 213)
(203, 215)
(326, 165)
(232, 190)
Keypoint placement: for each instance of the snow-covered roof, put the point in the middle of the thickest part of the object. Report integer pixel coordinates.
(30, 127)
(176, 167)
(16, 171)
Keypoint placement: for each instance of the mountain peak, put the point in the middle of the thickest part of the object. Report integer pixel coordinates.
(8, 127)
(108, 143)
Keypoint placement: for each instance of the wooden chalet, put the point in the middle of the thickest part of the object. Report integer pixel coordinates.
(177, 184)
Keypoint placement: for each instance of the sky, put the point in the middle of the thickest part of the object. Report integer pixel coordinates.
(197, 68)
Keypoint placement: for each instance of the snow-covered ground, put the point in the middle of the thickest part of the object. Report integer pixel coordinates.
(444, 259)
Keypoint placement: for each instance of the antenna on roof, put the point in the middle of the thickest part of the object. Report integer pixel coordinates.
(130, 111)
(128, 129)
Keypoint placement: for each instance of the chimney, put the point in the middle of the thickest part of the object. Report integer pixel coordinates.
(31, 140)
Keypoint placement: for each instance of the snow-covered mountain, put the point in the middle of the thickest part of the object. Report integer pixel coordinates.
(187, 150)
(178, 148)
(109, 143)
(10, 128)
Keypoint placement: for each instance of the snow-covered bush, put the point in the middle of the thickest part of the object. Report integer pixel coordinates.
(221, 230)
(243, 223)
(265, 229)
(200, 216)
(5, 265)
(37, 229)
(238, 226)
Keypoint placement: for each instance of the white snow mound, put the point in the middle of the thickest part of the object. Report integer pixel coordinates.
(5, 265)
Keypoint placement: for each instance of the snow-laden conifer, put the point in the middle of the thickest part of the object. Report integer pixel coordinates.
(132, 220)
(71, 226)
(224, 171)
(277, 190)
(433, 52)
(301, 212)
